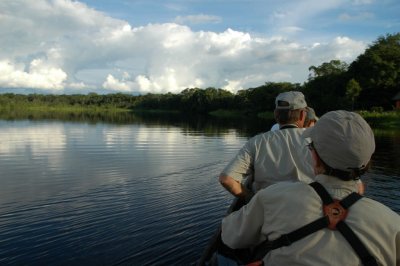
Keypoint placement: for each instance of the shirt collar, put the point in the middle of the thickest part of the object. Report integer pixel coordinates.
(288, 125)
(336, 187)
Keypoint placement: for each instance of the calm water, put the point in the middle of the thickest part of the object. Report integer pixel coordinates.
(140, 192)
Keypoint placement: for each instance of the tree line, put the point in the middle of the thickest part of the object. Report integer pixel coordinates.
(368, 83)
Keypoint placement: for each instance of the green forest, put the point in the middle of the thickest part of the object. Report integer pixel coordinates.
(368, 84)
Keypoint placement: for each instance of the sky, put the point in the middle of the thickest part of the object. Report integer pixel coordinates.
(161, 46)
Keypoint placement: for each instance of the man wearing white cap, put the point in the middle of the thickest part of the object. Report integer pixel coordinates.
(273, 156)
(327, 222)
(310, 121)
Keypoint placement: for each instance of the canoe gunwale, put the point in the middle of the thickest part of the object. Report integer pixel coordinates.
(212, 245)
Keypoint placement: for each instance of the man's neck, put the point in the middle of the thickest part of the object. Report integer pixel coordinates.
(283, 126)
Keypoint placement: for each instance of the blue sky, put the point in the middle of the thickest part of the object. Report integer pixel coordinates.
(63, 46)
(364, 19)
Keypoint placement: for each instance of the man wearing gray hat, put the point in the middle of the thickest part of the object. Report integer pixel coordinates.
(325, 222)
(272, 156)
(311, 117)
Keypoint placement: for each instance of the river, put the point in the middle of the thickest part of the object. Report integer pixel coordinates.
(133, 191)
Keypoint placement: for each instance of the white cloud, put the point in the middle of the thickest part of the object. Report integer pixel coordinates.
(79, 86)
(112, 83)
(38, 75)
(233, 85)
(362, 2)
(292, 29)
(346, 49)
(197, 19)
(342, 48)
(291, 14)
(60, 45)
(360, 16)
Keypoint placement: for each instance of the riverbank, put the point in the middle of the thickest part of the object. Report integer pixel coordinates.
(63, 112)
(58, 108)
(382, 120)
(378, 120)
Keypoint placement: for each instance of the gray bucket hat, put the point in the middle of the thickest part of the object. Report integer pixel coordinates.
(343, 140)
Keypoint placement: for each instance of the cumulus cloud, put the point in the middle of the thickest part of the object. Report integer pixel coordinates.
(36, 75)
(342, 48)
(112, 83)
(65, 45)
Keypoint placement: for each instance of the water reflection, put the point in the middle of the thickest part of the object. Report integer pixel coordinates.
(116, 192)
(387, 152)
(189, 124)
(40, 160)
(35, 140)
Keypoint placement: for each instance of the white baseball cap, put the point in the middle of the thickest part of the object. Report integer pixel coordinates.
(343, 140)
(295, 100)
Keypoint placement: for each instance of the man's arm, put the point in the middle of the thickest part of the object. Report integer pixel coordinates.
(240, 168)
(235, 187)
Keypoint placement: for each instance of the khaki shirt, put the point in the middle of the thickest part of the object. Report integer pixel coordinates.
(272, 157)
(285, 207)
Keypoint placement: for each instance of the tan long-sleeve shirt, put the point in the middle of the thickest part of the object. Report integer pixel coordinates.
(271, 157)
(284, 207)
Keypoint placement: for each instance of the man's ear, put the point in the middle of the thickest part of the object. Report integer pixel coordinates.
(276, 115)
(302, 118)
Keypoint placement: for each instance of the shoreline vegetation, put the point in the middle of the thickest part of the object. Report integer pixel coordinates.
(378, 119)
(382, 120)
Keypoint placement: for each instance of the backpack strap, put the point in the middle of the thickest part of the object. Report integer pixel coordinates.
(287, 239)
(359, 248)
(327, 199)
(366, 258)
(322, 193)
(335, 213)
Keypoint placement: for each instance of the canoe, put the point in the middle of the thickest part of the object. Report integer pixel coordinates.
(212, 246)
